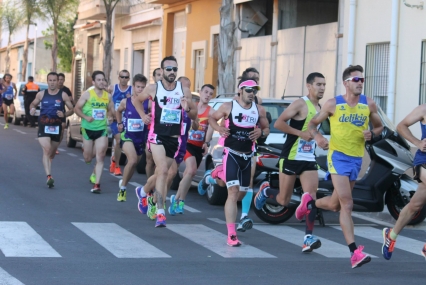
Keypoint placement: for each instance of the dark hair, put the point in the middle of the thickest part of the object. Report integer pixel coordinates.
(170, 57)
(95, 73)
(61, 75)
(30, 78)
(7, 74)
(183, 77)
(153, 73)
(52, 73)
(246, 72)
(124, 70)
(311, 77)
(351, 68)
(207, 85)
(139, 78)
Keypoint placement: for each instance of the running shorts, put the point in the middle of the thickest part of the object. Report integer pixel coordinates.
(7, 102)
(417, 172)
(344, 165)
(296, 167)
(93, 135)
(139, 146)
(114, 128)
(195, 151)
(171, 144)
(52, 132)
(236, 169)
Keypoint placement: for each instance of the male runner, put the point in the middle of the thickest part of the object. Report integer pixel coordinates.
(29, 91)
(8, 95)
(418, 200)
(196, 148)
(349, 118)
(238, 136)
(298, 155)
(132, 131)
(169, 100)
(119, 92)
(52, 110)
(92, 107)
(68, 92)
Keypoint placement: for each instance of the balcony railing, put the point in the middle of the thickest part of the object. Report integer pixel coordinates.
(95, 9)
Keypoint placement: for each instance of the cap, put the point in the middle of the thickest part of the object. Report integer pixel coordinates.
(249, 83)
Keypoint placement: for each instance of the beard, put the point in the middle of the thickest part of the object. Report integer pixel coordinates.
(169, 79)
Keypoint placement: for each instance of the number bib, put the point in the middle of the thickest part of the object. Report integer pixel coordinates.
(53, 130)
(306, 147)
(9, 96)
(197, 135)
(99, 114)
(135, 125)
(170, 116)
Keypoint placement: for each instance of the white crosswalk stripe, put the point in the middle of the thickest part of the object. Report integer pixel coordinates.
(7, 279)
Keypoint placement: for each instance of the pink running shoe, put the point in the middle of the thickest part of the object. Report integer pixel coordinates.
(233, 241)
(217, 172)
(359, 258)
(302, 209)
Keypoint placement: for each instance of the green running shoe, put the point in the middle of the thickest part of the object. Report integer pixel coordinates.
(93, 178)
(180, 207)
(152, 209)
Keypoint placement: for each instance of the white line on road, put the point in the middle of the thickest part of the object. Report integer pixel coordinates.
(135, 184)
(7, 279)
(216, 220)
(106, 169)
(18, 239)
(2, 124)
(61, 149)
(377, 221)
(82, 159)
(216, 241)
(19, 131)
(71, 154)
(119, 242)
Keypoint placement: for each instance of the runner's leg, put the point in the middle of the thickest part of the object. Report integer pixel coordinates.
(188, 175)
(150, 166)
(101, 145)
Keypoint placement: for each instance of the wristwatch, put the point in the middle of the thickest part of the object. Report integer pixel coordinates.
(263, 134)
(207, 143)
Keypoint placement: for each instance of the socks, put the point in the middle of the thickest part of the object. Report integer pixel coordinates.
(271, 193)
(231, 229)
(160, 211)
(352, 247)
(246, 203)
(393, 235)
(123, 188)
(310, 218)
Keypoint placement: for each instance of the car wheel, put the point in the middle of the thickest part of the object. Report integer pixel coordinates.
(15, 120)
(216, 195)
(140, 167)
(70, 142)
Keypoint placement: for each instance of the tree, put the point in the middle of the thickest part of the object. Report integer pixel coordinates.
(108, 41)
(12, 19)
(58, 10)
(227, 47)
(30, 10)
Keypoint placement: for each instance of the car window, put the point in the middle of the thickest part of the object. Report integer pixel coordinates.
(274, 110)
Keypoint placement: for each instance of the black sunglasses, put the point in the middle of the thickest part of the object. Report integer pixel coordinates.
(170, 68)
(250, 90)
(125, 77)
(355, 79)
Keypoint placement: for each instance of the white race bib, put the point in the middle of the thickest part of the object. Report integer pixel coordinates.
(135, 125)
(53, 130)
(170, 116)
(306, 147)
(9, 96)
(99, 114)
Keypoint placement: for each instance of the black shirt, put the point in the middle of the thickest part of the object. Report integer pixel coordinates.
(67, 90)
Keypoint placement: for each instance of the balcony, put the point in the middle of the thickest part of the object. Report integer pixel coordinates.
(163, 1)
(95, 9)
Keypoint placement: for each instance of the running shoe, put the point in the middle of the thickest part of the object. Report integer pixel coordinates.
(93, 178)
(152, 209)
(245, 224)
(121, 197)
(6, 126)
(161, 221)
(302, 209)
(233, 241)
(142, 201)
(117, 171)
(310, 243)
(423, 252)
(173, 205)
(260, 198)
(96, 189)
(180, 207)
(50, 181)
(388, 244)
(112, 166)
(359, 258)
(202, 185)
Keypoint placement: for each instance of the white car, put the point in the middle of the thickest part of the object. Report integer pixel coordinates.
(19, 102)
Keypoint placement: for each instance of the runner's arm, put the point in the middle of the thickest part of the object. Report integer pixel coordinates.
(210, 130)
(417, 115)
(148, 92)
(188, 105)
(263, 122)
(78, 108)
(35, 102)
(375, 120)
(221, 113)
(16, 91)
(119, 112)
(68, 103)
(289, 113)
(111, 109)
(326, 111)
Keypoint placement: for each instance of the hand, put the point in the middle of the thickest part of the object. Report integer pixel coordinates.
(32, 111)
(306, 135)
(255, 134)
(60, 114)
(120, 127)
(224, 132)
(195, 123)
(205, 149)
(89, 119)
(323, 143)
(184, 103)
(147, 119)
(367, 135)
(422, 145)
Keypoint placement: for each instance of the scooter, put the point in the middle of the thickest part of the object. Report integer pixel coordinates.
(385, 181)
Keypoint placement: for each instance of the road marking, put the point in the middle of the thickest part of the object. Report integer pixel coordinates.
(190, 209)
(19, 131)
(360, 216)
(216, 220)
(2, 124)
(61, 149)
(404, 243)
(135, 184)
(7, 279)
(113, 175)
(82, 159)
(18, 239)
(106, 169)
(71, 154)
(119, 242)
(216, 241)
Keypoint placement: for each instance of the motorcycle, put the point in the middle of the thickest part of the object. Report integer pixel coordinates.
(385, 181)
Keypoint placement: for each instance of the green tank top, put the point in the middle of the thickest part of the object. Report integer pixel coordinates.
(96, 107)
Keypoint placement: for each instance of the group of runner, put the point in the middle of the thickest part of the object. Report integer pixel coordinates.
(162, 120)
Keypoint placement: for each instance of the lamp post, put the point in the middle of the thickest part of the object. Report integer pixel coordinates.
(34, 49)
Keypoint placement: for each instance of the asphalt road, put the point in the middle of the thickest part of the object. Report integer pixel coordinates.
(67, 235)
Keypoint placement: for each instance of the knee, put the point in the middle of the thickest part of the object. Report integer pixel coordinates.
(233, 195)
(190, 172)
(346, 206)
(131, 162)
(162, 170)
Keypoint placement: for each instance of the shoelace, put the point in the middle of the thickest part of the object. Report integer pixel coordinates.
(233, 237)
(390, 243)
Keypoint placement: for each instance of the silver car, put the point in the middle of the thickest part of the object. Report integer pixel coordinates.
(19, 102)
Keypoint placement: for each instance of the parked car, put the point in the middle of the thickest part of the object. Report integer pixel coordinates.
(19, 102)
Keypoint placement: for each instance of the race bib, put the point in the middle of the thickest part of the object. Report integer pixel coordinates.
(170, 116)
(99, 114)
(197, 135)
(9, 96)
(116, 105)
(306, 147)
(53, 130)
(135, 125)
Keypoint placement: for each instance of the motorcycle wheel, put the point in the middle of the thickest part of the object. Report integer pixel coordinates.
(395, 210)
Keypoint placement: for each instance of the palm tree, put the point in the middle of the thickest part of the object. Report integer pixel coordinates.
(30, 11)
(12, 20)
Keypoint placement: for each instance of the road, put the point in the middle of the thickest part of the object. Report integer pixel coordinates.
(67, 235)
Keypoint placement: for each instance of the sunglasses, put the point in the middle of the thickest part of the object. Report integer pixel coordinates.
(250, 90)
(125, 77)
(355, 79)
(170, 68)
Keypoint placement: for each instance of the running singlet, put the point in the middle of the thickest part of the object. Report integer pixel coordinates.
(240, 123)
(119, 95)
(132, 123)
(347, 125)
(296, 148)
(197, 137)
(8, 94)
(166, 111)
(97, 108)
(420, 157)
(49, 106)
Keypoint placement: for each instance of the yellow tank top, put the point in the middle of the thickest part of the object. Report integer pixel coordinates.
(97, 108)
(347, 125)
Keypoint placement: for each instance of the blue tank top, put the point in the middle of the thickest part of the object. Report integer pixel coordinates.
(8, 94)
(134, 128)
(49, 105)
(119, 95)
(420, 157)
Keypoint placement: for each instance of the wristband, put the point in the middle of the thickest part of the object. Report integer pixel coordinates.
(119, 123)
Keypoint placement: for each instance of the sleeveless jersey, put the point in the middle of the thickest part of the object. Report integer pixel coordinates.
(296, 148)
(240, 123)
(166, 111)
(197, 137)
(97, 108)
(132, 123)
(420, 157)
(119, 95)
(8, 94)
(347, 125)
(49, 105)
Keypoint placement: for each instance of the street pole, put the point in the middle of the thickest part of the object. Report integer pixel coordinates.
(34, 51)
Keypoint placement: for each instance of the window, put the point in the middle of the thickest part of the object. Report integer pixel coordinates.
(422, 97)
(376, 73)
(199, 69)
(126, 58)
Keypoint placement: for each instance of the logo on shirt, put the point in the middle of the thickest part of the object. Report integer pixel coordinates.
(342, 108)
(245, 118)
(355, 119)
(170, 100)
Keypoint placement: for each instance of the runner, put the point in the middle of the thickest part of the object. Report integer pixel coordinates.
(29, 91)
(169, 100)
(52, 110)
(238, 137)
(157, 74)
(119, 92)
(68, 92)
(132, 131)
(418, 200)
(8, 95)
(298, 155)
(196, 148)
(92, 107)
(349, 118)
